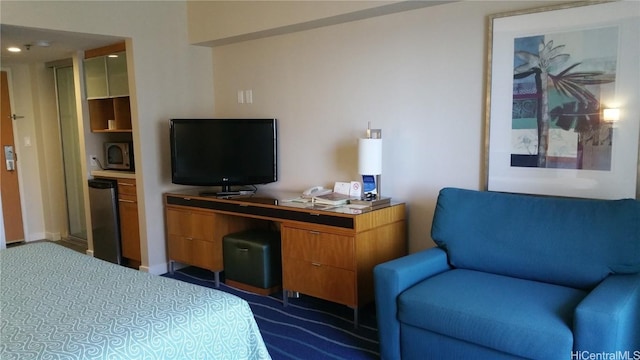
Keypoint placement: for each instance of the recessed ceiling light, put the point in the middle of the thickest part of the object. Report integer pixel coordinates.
(113, 55)
(14, 49)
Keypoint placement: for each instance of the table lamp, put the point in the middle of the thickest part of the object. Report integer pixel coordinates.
(611, 115)
(370, 163)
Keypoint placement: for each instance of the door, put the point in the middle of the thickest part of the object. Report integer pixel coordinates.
(11, 206)
(71, 156)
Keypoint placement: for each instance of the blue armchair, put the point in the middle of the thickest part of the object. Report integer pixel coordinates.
(516, 276)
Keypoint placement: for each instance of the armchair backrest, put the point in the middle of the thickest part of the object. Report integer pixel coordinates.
(570, 242)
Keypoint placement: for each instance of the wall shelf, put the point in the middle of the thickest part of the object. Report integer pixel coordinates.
(105, 109)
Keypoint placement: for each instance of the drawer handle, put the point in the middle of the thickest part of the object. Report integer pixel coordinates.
(243, 249)
(312, 232)
(316, 264)
(126, 184)
(126, 201)
(189, 238)
(314, 214)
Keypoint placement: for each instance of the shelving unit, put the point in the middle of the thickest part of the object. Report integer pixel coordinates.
(107, 88)
(107, 95)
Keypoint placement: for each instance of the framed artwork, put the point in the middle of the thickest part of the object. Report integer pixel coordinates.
(563, 101)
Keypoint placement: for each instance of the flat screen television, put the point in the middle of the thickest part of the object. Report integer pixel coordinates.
(224, 152)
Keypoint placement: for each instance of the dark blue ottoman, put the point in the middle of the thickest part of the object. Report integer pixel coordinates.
(252, 261)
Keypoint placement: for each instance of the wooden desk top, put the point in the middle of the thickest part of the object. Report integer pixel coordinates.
(279, 207)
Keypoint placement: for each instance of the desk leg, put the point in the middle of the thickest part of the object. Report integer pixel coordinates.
(285, 297)
(356, 320)
(286, 294)
(216, 278)
(171, 267)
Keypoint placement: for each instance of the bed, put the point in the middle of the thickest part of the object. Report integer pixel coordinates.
(56, 303)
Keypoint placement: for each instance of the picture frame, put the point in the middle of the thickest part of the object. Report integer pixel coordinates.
(551, 73)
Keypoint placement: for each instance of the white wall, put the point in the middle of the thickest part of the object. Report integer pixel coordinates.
(24, 79)
(47, 139)
(171, 79)
(40, 160)
(418, 75)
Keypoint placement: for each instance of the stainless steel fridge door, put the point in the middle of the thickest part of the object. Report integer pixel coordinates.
(104, 220)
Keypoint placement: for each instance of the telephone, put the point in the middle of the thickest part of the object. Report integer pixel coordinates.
(316, 191)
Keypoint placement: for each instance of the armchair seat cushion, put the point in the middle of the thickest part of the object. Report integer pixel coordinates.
(516, 316)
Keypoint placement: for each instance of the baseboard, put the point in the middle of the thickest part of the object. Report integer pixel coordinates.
(53, 236)
(156, 269)
(36, 236)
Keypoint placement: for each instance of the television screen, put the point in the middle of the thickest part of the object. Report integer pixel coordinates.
(223, 152)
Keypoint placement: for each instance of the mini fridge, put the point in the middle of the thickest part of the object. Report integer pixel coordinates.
(105, 227)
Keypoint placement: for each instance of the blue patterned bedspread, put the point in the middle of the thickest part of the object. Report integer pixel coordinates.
(56, 303)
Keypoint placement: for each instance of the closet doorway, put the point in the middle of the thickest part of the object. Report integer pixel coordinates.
(71, 155)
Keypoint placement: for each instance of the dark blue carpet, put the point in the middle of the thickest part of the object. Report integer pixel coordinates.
(309, 328)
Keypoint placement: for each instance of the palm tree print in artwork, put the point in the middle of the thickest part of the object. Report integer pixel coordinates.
(557, 100)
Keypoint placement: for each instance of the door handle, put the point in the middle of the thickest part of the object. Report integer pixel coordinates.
(16, 117)
(10, 158)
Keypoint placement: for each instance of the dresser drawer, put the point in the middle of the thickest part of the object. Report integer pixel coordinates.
(123, 198)
(318, 247)
(204, 254)
(126, 187)
(191, 224)
(326, 282)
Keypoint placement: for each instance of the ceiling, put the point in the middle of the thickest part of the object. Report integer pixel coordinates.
(62, 44)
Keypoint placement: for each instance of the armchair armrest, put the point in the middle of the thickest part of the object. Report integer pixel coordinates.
(391, 279)
(608, 319)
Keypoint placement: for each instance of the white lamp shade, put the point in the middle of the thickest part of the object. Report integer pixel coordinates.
(611, 114)
(370, 156)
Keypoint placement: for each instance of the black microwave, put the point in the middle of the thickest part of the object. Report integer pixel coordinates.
(119, 156)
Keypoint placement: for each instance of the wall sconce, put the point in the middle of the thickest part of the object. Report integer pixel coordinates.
(611, 115)
(370, 162)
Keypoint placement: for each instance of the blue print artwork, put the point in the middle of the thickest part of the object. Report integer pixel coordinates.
(561, 82)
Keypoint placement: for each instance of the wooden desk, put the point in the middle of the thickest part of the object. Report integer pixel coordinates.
(326, 253)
